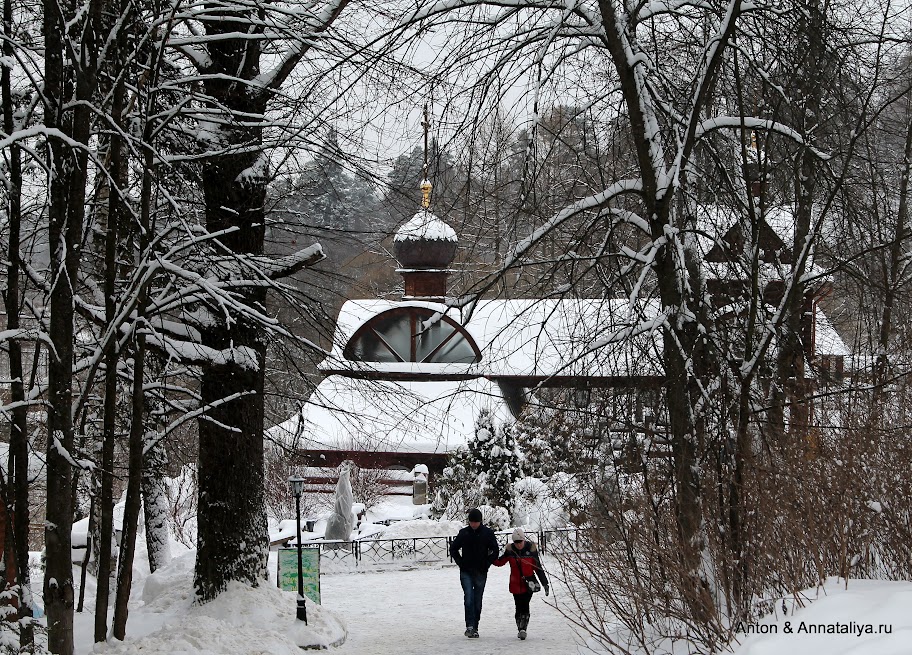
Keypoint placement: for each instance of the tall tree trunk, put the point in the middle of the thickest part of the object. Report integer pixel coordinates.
(154, 495)
(790, 389)
(232, 529)
(686, 363)
(233, 541)
(680, 334)
(66, 214)
(137, 414)
(155, 507)
(62, 225)
(113, 215)
(132, 505)
(17, 466)
(232, 538)
(895, 266)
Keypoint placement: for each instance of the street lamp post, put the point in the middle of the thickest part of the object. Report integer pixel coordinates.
(297, 488)
(581, 395)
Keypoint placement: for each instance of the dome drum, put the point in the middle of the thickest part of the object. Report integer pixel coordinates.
(425, 284)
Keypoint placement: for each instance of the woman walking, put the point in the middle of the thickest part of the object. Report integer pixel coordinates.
(522, 556)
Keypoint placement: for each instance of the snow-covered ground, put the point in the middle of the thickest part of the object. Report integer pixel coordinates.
(418, 610)
(403, 612)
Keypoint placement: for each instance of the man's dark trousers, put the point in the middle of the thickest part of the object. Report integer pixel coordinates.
(473, 584)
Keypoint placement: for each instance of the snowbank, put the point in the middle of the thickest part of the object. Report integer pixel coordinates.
(421, 528)
(240, 621)
(837, 620)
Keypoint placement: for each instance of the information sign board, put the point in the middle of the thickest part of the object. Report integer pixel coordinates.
(287, 573)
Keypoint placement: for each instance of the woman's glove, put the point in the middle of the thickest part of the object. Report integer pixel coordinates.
(547, 589)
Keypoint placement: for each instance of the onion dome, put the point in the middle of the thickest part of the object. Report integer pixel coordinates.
(425, 241)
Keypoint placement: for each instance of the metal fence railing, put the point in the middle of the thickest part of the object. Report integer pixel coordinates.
(367, 552)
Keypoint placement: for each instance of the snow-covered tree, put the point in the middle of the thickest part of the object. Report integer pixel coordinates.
(553, 440)
(457, 489)
(482, 473)
(494, 455)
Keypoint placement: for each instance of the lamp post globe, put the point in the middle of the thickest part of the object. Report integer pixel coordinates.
(296, 484)
(581, 395)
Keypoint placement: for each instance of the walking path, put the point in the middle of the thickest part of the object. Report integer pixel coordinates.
(419, 612)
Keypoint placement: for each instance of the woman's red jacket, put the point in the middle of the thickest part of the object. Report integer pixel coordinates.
(524, 563)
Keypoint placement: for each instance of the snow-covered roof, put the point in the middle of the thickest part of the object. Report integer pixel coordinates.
(777, 230)
(432, 407)
(826, 339)
(714, 221)
(389, 416)
(425, 226)
(537, 339)
(523, 338)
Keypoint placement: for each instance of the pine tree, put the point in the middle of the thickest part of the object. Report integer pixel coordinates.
(401, 200)
(495, 456)
(551, 441)
(458, 488)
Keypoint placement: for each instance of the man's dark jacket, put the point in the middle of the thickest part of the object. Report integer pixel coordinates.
(474, 550)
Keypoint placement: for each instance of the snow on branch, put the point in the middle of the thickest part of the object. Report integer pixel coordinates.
(19, 334)
(592, 202)
(652, 9)
(445, 6)
(243, 268)
(320, 22)
(84, 464)
(190, 352)
(152, 440)
(748, 122)
(629, 331)
(597, 201)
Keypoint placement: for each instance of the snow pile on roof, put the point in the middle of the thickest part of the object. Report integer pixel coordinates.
(385, 416)
(826, 339)
(542, 338)
(714, 221)
(240, 621)
(425, 226)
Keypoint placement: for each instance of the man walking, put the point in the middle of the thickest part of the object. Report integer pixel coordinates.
(474, 549)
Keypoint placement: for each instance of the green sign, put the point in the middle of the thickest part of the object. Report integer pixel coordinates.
(287, 574)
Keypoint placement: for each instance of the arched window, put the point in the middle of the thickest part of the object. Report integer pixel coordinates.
(412, 334)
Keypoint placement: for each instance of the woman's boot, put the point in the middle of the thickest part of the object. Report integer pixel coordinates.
(522, 623)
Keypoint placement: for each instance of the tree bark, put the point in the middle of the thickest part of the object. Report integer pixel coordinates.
(232, 534)
(155, 508)
(137, 414)
(66, 214)
(152, 484)
(17, 494)
(114, 215)
(686, 355)
(132, 505)
(791, 389)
